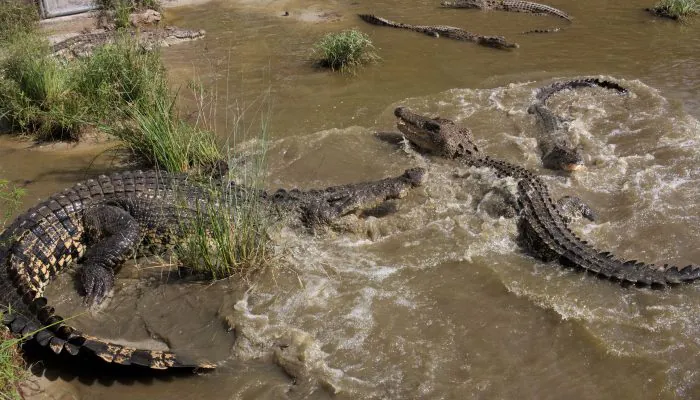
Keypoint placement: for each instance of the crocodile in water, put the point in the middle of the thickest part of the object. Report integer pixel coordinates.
(508, 5)
(83, 45)
(553, 139)
(498, 42)
(543, 232)
(101, 221)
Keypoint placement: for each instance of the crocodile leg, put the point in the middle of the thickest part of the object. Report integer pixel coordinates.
(116, 233)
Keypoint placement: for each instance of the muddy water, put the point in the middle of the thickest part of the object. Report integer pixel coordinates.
(436, 301)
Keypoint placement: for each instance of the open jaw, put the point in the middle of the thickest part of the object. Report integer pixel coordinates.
(417, 129)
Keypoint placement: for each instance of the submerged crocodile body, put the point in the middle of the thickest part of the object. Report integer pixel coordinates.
(557, 150)
(543, 231)
(102, 221)
(508, 5)
(498, 42)
(83, 45)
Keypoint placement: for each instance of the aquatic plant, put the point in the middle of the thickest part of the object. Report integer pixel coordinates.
(345, 51)
(676, 9)
(230, 235)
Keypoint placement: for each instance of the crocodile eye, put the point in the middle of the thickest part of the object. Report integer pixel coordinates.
(432, 126)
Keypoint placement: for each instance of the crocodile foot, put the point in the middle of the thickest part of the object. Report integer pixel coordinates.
(97, 282)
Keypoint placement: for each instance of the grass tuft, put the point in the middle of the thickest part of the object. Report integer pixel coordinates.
(676, 9)
(346, 51)
(12, 366)
(17, 17)
(158, 137)
(228, 235)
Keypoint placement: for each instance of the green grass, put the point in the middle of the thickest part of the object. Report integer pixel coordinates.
(16, 17)
(230, 235)
(12, 366)
(10, 200)
(120, 88)
(157, 136)
(346, 51)
(118, 76)
(37, 95)
(677, 9)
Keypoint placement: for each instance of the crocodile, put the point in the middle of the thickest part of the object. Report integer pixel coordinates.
(508, 5)
(100, 222)
(83, 45)
(542, 230)
(544, 93)
(497, 42)
(555, 145)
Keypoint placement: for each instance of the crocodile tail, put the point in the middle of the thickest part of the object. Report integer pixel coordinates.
(35, 248)
(546, 30)
(543, 94)
(50, 330)
(374, 20)
(540, 218)
(539, 8)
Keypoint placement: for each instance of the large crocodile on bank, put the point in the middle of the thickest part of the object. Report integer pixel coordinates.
(498, 42)
(84, 44)
(100, 222)
(543, 232)
(507, 5)
(557, 150)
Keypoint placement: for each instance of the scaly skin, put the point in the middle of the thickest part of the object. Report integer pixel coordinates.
(556, 148)
(544, 93)
(558, 152)
(102, 221)
(83, 45)
(543, 231)
(498, 42)
(508, 5)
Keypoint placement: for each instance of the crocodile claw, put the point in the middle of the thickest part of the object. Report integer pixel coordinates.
(97, 282)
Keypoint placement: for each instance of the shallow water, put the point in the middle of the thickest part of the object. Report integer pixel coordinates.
(436, 301)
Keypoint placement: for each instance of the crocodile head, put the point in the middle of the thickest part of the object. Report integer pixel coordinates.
(463, 4)
(558, 152)
(566, 158)
(183, 34)
(498, 42)
(173, 35)
(435, 135)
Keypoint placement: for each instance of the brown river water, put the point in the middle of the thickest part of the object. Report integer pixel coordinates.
(436, 301)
